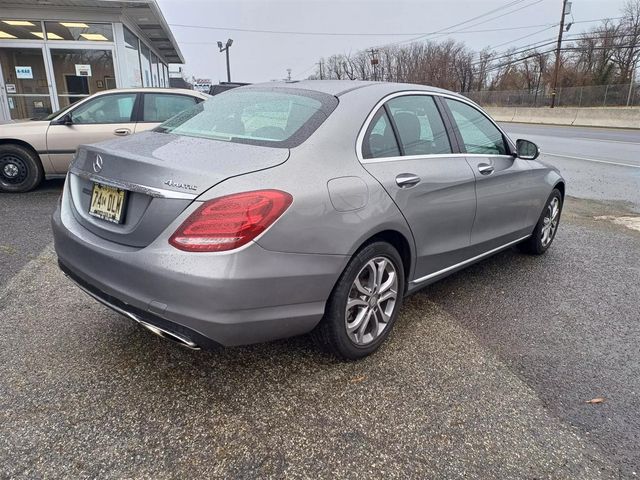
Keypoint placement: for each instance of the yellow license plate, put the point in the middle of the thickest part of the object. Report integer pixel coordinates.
(107, 203)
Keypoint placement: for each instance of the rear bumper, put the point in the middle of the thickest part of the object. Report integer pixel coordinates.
(251, 295)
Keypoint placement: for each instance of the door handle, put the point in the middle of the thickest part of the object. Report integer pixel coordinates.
(407, 180)
(485, 169)
(122, 131)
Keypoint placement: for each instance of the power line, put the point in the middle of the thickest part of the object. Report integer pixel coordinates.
(369, 34)
(551, 41)
(442, 31)
(564, 49)
(285, 32)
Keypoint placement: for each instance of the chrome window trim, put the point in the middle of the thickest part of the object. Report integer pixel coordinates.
(134, 187)
(380, 104)
(465, 262)
(435, 155)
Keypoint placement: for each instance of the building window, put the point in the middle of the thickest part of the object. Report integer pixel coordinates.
(132, 54)
(80, 73)
(82, 31)
(11, 29)
(145, 60)
(154, 70)
(165, 76)
(26, 85)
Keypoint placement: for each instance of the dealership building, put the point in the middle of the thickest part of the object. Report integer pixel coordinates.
(55, 52)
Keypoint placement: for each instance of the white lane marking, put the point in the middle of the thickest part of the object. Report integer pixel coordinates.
(604, 140)
(591, 160)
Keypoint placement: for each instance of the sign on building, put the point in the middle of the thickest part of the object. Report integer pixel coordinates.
(83, 70)
(24, 73)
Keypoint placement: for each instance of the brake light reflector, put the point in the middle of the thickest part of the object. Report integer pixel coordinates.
(231, 221)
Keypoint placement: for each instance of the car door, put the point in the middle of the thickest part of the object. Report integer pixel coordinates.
(502, 179)
(156, 107)
(100, 118)
(407, 148)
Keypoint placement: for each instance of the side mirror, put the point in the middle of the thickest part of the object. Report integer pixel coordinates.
(66, 120)
(527, 150)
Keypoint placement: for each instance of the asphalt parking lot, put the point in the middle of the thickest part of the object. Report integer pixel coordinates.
(486, 374)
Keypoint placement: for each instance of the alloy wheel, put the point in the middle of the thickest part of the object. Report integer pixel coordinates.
(550, 221)
(372, 300)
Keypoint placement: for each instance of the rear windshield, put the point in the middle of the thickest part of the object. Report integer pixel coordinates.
(277, 117)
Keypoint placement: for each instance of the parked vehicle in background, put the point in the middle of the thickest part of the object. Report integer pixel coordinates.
(224, 86)
(277, 209)
(33, 149)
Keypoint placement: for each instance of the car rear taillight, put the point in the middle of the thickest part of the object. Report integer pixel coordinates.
(229, 222)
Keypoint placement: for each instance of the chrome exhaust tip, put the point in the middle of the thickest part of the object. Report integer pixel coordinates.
(167, 335)
(161, 332)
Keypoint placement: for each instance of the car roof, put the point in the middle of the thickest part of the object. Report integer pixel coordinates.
(342, 87)
(182, 91)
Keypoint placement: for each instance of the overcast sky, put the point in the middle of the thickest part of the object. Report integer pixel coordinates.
(266, 56)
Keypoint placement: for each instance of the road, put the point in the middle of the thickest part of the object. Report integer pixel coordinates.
(486, 374)
(598, 163)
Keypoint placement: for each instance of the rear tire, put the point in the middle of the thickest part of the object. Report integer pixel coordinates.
(20, 168)
(546, 228)
(364, 303)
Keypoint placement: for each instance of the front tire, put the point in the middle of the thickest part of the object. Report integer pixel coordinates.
(364, 303)
(546, 228)
(20, 169)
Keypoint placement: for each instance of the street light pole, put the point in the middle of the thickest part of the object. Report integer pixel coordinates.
(225, 48)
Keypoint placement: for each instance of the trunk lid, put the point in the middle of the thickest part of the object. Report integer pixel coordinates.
(162, 174)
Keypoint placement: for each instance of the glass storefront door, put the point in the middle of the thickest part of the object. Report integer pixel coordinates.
(24, 81)
(81, 72)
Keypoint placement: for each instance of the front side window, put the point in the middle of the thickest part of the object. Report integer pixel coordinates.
(479, 134)
(159, 107)
(419, 125)
(269, 117)
(380, 141)
(115, 108)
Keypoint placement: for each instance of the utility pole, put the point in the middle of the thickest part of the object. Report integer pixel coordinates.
(320, 69)
(556, 71)
(374, 63)
(633, 77)
(225, 48)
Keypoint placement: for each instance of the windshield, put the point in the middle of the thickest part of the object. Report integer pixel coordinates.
(277, 117)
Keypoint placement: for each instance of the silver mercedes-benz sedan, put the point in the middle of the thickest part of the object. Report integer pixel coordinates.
(274, 210)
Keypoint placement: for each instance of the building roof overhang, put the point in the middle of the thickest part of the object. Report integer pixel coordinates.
(143, 14)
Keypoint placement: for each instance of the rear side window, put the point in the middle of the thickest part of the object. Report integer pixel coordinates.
(380, 141)
(159, 107)
(114, 108)
(419, 124)
(276, 117)
(478, 133)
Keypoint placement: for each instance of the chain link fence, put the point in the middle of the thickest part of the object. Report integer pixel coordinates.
(591, 96)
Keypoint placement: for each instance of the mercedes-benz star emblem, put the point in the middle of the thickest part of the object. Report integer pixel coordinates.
(97, 163)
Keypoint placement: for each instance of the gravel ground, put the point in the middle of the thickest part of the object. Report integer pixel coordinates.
(86, 393)
(485, 376)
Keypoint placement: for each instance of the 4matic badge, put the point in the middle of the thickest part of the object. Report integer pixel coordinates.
(184, 186)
